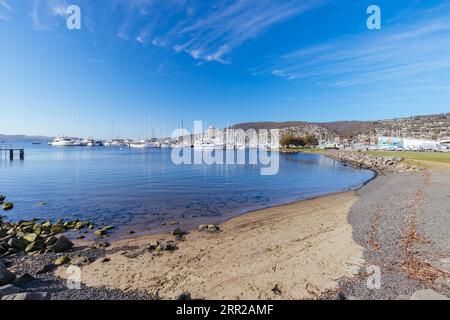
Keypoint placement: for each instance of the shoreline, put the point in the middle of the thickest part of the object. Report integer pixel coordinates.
(307, 222)
(308, 249)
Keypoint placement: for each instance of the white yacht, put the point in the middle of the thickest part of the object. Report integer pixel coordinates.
(219, 145)
(156, 144)
(117, 143)
(204, 145)
(91, 142)
(64, 142)
(141, 144)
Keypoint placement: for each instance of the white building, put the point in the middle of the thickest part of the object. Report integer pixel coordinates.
(414, 144)
(420, 144)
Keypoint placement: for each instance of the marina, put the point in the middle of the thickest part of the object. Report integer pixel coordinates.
(141, 188)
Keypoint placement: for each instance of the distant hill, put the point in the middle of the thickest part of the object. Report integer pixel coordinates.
(424, 126)
(21, 137)
(270, 125)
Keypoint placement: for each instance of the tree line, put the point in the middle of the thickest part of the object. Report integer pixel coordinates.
(289, 140)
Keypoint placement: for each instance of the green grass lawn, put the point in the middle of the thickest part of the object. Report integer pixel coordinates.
(410, 155)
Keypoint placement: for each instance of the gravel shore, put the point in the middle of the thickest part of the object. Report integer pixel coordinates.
(402, 221)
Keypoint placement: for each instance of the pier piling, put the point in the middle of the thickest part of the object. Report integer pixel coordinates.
(9, 153)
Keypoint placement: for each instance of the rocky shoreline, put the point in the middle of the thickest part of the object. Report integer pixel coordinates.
(27, 269)
(365, 161)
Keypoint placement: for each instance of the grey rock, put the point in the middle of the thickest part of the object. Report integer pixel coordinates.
(35, 246)
(80, 261)
(18, 243)
(28, 296)
(103, 244)
(184, 296)
(178, 232)
(167, 246)
(153, 245)
(51, 241)
(61, 245)
(47, 268)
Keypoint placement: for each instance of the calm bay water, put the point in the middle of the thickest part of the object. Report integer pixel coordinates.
(141, 189)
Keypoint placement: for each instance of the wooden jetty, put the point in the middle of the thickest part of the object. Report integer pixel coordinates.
(9, 153)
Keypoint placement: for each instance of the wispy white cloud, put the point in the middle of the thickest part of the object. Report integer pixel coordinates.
(59, 9)
(5, 5)
(207, 30)
(44, 13)
(5, 11)
(214, 37)
(35, 19)
(396, 53)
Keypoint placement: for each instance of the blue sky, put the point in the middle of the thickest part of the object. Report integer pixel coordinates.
(222, 62)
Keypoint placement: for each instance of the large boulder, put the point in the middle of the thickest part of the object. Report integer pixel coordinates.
(18, 243)
(8, 206)
(31, 237)
(57, 228)
(6, 276)
(35, 246)
(28, 296)
(50, 241)
(61, 245)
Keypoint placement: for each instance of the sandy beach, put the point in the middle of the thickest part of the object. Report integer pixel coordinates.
(294, 251)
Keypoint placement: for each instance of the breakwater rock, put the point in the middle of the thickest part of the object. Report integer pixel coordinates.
(367, 161)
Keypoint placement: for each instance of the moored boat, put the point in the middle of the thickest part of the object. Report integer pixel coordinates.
(63, 141)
